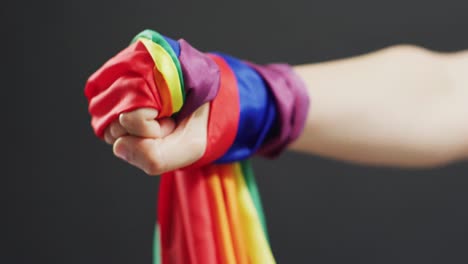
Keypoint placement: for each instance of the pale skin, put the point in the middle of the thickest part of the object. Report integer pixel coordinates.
(403, 106)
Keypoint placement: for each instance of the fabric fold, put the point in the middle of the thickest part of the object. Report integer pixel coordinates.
(207, 213)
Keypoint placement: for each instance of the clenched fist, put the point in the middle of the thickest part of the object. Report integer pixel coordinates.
(158, 146)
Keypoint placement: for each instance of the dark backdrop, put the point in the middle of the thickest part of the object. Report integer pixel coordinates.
(68, 200)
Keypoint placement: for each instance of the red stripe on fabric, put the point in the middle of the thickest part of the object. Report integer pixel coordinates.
(224, 116)
(124, 83)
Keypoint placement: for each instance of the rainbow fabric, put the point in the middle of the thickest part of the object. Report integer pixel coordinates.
(219, 206)
(209, 212)
(211, 215)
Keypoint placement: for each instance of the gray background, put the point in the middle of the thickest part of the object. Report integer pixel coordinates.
(68, 200)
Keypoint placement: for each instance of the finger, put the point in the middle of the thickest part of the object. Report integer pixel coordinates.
(143, 153)
(108, 138)
(167, 126)
(181, 148)
(141, 122)
(116, 129)
(187, 143)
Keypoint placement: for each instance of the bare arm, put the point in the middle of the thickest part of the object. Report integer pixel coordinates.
(401, 106)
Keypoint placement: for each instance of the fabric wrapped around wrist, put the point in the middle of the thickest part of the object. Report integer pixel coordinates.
(207, 212)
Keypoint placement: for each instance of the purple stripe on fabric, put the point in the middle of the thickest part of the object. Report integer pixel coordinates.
(201, 78)
(292, 103)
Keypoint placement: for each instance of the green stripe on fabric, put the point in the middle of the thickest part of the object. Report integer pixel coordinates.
(156, 245)
(249, 177)
(157, 38)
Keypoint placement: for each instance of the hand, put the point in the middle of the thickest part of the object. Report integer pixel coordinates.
(158, 145)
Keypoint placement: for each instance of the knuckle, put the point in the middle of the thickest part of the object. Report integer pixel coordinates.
(153, 168)
(115, 130)
(156, 164)
(131, 121)
(108, 138)
(125, 119)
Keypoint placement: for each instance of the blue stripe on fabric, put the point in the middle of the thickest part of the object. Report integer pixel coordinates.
(257, 111)
(174, 45)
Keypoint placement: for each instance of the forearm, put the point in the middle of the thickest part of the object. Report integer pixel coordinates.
(402, 106)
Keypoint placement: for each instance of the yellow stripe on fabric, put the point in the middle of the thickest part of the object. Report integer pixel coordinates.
(166, 66)
(221, 219)
(228, 182)
(164, 94)
(256, 242)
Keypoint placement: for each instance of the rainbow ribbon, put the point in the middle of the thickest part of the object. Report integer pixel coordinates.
(209, 212)
(219, 207)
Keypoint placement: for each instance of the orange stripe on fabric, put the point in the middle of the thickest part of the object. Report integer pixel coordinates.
(228, 182)
(162, 87)
(166, 105)
(167, 68)
(221, 221)
(258, 248)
